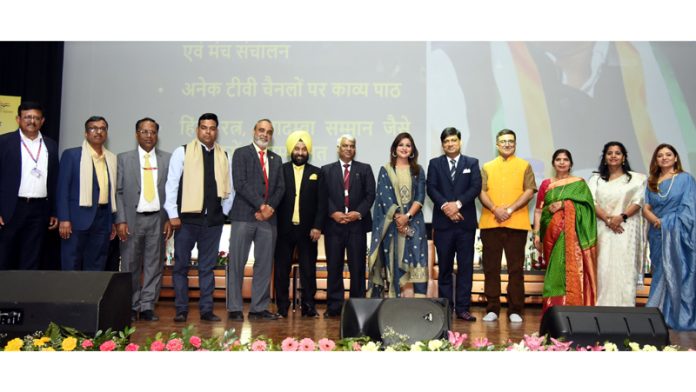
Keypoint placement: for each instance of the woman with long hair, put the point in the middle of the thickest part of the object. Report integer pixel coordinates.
(565, 232)
(398, 253)
(618, 194)
(670, 208)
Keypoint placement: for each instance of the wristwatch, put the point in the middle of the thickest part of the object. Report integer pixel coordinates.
(408, 214)
(509, 210)
(625, 217)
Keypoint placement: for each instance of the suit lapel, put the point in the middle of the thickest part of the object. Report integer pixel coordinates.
(135, 162)
(160, 177)
(460, 168)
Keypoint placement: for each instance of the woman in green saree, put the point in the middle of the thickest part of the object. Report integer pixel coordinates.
(565, 232)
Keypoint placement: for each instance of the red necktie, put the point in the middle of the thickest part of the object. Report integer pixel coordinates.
(265, 175)
(346, 184)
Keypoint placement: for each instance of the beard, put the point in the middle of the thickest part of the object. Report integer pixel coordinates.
(260, 142)
(299, 160)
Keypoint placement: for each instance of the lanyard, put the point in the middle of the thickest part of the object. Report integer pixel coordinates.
(38, 153)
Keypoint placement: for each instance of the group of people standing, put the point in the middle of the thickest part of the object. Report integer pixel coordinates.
(591, 233)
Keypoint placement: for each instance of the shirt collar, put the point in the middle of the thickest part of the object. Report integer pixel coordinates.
(94, 153)
(142, 152)
(27, 140)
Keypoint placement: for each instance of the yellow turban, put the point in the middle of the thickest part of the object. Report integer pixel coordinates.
(298, 136)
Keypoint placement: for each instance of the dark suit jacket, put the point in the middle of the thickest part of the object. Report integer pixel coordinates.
(361, 193)
(466, 187)
(312, 200)
(128, 185)
(11, 173)
(249, 184)
(68, 192)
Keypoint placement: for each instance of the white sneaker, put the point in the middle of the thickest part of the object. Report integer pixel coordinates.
(490, 317)
(515, 318)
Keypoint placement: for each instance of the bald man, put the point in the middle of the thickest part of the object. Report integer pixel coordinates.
(300, 222)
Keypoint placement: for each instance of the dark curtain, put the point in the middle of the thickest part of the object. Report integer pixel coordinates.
(34, 71)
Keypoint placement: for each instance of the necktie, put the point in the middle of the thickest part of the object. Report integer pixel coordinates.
(148, 180)
(346, 185)
(265, 175)
(453, 169)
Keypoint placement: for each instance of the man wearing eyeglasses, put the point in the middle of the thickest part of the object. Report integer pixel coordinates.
(28, 175)
(508, 186)
(142, 224)
(86, 200)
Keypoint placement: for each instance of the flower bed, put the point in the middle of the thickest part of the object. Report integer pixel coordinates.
(60, 338)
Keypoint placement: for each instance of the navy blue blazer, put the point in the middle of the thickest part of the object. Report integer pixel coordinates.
(466, 187)
(361, 194)
(68, 193)
(11, 173)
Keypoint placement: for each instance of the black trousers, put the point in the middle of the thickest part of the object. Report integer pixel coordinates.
(286, 244)
(22, 238)
(337, 243)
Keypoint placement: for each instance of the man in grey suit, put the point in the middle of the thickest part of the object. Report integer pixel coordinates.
(142, 223)
(259, 183)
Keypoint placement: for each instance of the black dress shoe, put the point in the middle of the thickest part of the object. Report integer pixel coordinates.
(148, 315)
(282, 314)
(466, 316)
(265, 315)
(309, 312)
(330, 314)
(134, 315)
(235, 316)
(181, 317)
(210, 316)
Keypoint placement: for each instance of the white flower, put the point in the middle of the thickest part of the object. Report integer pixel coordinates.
(634, 346)
(609, 346)
(389, 349)
(418, 346)
(648, 347)
(371, 346)
(435, 345)
(670, 348)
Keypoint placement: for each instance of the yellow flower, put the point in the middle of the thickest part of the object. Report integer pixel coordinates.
(39, 343)
(608, 346)
(69, 344)
(14, 345)
(634, 346)
(434, 345)
(389, 349)
(418, 346)
(48, 349)
(648, 347)
(371, 346)
(670, 348)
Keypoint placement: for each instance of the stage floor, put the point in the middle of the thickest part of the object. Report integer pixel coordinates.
(317, 328)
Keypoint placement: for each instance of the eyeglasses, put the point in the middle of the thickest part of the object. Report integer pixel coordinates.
(97, 129)
(31, 118)
(148, 133)
(506, 142)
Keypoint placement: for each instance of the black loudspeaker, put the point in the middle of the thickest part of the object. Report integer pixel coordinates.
(587, 325)
(86, 301)
(417, 318)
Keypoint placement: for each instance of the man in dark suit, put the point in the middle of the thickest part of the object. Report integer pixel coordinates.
(300, 221)
(454, 182)
(142, 223)
(28, 176)
(86, 200)
(259, 185)
(350, 187)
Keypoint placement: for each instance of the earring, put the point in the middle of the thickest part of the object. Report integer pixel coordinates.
(411, 156)
(394, 154)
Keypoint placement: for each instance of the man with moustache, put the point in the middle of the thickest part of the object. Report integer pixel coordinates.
(350, 188)
(86, 200)
(28, 177)
(507, 186)
(454, 182)
(260, 186)
(199, 193)
(300, 222)
(142, 223)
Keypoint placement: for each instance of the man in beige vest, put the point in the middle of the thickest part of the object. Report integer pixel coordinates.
(508, 186)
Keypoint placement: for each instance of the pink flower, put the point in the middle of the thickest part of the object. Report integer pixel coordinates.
(560, 346)
(87, 344)
(195, 341)
(258, 345)
(175, 345)
(456, 339)
(326, 344)
(132, 347)
(306, 344)
(109, 345)
(479, 342)
(157, 345)
(289, 344)
(356, 346)
(534, 343)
